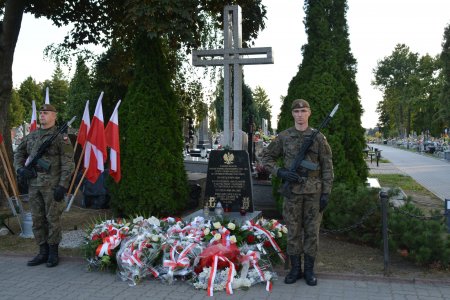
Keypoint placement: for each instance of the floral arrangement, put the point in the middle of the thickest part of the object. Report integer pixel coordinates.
(212, 255)
(102, 243)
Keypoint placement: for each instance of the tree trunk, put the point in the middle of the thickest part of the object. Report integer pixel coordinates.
(9, 33)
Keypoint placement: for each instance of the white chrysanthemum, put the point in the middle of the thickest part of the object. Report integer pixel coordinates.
(138, 219)
(206, 231)
(231, 226)
(217, 236)
(217, 225)
(233, 239)
(153, 221)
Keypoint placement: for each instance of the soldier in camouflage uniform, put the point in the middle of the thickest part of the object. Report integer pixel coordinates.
(302, 211)
(46, 188)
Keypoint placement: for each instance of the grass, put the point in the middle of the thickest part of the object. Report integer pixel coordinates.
(402, 181)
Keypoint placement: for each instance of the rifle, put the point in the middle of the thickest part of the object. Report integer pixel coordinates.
(299, 160)
(42, 148)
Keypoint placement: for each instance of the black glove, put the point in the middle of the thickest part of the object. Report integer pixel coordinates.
(59, 193)
(25, 173)
(323, 202)
(287, 175)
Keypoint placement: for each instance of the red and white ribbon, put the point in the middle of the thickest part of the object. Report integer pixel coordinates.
(259, 228)
(212, 275)
(181, 261)
(109, 243)
(253, 258)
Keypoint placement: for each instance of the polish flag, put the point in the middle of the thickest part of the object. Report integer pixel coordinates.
(95, 153)
(33, 124)
(84, 126)
(112, 140)
(47, 97)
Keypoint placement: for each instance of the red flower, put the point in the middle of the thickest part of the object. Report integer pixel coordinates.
(267, 244)
(250, 238)
(95, 237)
(103, 235)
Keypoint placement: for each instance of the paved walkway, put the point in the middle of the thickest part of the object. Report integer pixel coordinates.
(430, 172)
(71, 280)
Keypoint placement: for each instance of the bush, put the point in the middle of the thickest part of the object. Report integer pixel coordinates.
(154, 179)
(426, 241)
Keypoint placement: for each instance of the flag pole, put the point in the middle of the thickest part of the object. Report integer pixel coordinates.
(76, 170)
(5, 190)
(76, 191)
(9, 168)
(8, 174)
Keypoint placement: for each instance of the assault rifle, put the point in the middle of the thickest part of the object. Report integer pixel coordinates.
(36, 160)
(299, 160)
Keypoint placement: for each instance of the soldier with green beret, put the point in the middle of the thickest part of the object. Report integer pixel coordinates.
(46, 186)
(302, 211)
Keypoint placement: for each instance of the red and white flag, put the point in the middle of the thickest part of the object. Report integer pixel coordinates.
(47, 96)
(95, 153)
(1, 138)
(33, 123)
(84, 126)
(113, 141)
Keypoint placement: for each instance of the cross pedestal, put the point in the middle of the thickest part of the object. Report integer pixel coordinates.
(232, 56)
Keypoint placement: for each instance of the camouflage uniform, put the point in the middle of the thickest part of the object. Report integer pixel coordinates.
(301, 210)
(46, 212)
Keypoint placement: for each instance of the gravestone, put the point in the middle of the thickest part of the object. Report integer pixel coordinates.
(228, 181)
(232, 56)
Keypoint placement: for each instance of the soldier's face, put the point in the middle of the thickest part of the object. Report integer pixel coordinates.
(47, 119)
(301, 115)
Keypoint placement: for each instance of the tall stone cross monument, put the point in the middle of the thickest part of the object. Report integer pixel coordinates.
(233, 56)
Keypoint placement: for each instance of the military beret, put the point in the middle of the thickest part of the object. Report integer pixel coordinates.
(300, 103)
(47, 107)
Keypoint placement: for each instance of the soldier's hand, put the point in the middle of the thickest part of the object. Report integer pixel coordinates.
(25, 173)
(59, 193)
(323, 202)
(287, 175)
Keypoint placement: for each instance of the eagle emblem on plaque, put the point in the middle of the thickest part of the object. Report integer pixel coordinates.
(228, 158)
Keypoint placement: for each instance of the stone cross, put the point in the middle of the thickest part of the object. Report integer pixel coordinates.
(233, 56)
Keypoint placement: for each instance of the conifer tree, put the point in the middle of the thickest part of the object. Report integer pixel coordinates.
(79, 92)
(326, 77)
(445, 92)
(151, 136)
(59, 88)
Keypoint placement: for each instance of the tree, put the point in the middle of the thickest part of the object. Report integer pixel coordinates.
(326, 77)
(393, 76)
(80, 90)
(16, 110)
(410, 84)
(59, 89)
(178, 25)
(28, 91)
(263, 107)
(248, 106)
(444, 97)
(156, 180)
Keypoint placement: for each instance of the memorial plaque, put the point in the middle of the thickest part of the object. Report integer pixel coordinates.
(228, 181)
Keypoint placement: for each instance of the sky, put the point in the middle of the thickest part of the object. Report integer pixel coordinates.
(375, 28)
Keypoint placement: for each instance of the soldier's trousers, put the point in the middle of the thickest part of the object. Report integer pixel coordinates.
(302, 217)
(46, 215)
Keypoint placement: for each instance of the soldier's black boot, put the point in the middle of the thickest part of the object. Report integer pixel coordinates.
(310, 277)
(296, 270)
(41, 258)
(53, 258)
